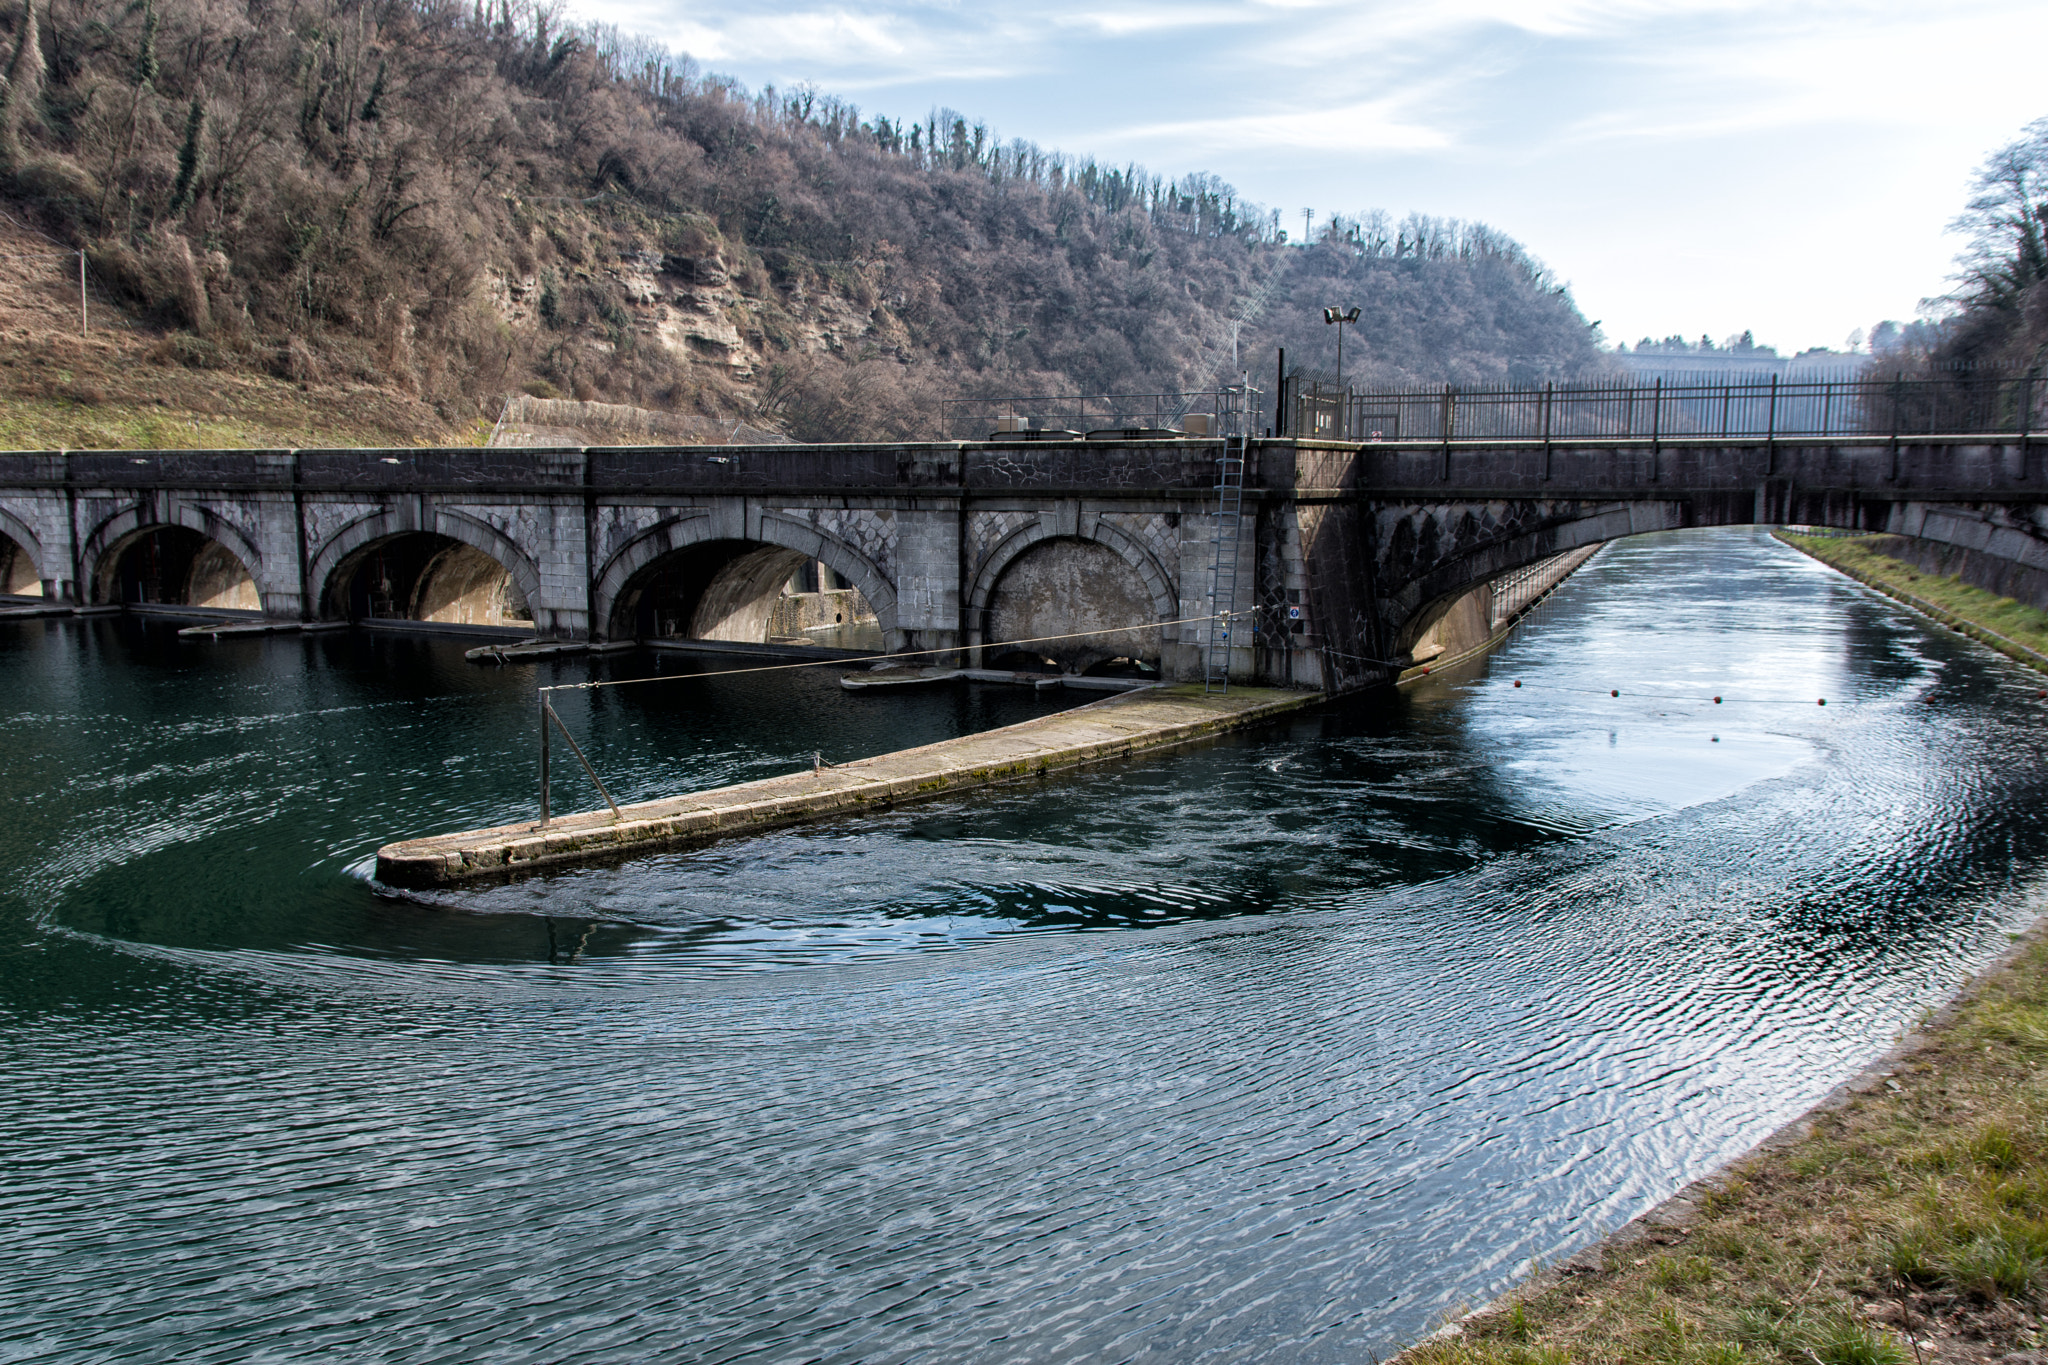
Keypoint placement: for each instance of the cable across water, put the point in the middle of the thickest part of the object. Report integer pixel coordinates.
(596, 683)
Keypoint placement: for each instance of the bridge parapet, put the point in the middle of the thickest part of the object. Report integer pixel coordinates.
(1110, 466)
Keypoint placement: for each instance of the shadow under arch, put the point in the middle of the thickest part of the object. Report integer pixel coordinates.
(21, 558)
(424, 576)
(692, 577)
(189, 558)
(455, 571)
(1038, 582)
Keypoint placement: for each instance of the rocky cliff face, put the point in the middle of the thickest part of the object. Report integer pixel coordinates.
(715, 313)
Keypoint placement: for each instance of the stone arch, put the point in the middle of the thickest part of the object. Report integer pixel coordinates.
(1006, 551)
(699, 527)
(1410, 609)
(342, 551)
(23, 566)
(101, 552)
(1099, 559)
(1413, 608)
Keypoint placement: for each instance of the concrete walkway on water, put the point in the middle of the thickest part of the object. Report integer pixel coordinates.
(1132, 723)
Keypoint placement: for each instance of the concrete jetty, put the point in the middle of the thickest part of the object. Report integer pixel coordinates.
(1116, 727)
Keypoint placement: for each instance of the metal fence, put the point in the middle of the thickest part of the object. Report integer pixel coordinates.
(1774, 407)
(1232, 410)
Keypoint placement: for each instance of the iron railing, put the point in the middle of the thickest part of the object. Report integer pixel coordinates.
(1770, 408)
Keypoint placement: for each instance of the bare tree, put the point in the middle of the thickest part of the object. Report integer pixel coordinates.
(2006, 221)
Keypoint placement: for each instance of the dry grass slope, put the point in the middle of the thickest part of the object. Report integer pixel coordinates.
(130, 385)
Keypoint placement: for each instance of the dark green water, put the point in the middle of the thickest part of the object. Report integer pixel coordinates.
(1267, 1051)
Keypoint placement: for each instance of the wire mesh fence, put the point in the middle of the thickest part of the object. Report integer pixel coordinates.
(1768, 407)
(1231, 410)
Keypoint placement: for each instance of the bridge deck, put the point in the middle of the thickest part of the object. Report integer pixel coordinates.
(1135, 722)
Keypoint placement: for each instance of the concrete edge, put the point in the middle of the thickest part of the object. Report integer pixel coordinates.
(1681, 1209)
(1983, 635)
(691, 819)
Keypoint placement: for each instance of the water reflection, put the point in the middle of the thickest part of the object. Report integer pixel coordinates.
(1265, 1051)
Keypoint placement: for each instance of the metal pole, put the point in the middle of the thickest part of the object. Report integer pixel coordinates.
(83, 329)
(577, 750)
(1279, 392)
(1656, 424)
(2026, 417)
(1898, 402)
(544, 712)
(1450, 418)
(1548, 391)
(1771, 433)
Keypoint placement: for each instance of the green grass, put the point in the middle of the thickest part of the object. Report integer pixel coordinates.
(1911, 1213)
(1862, 558)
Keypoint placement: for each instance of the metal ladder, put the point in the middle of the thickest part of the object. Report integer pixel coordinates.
(1228, 542)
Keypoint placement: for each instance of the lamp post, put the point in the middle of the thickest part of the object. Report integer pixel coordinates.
(1340, 316)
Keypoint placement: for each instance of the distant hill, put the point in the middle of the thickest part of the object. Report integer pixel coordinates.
(1440, 301)
(446, 205)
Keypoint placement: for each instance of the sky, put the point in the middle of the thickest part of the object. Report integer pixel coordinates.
(1686, 166)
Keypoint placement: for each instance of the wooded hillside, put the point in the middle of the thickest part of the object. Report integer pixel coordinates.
(448, 203)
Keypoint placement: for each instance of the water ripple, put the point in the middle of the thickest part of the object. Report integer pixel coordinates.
(1268, 1051)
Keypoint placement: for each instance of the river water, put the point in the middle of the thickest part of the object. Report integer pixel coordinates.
(1273, 1050)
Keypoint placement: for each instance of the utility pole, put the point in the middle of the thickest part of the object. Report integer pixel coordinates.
(1308, 216)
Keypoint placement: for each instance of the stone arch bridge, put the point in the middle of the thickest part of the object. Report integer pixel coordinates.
(1349, 556)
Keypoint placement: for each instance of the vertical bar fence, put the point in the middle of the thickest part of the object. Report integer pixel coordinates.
(1771, 408)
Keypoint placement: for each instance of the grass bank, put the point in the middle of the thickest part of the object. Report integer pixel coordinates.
(1997, 621)
(118, 390)
(126, 384)
(1906, 1222)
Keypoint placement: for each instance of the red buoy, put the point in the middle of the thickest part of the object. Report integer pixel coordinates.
(1518, 683)
(1823, 701)
(1717, 701)
(1614, 692)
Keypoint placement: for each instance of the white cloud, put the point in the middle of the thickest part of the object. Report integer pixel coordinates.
(1137, 20)
(1383, 125)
